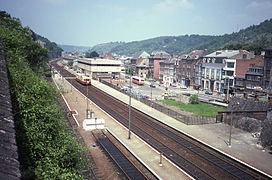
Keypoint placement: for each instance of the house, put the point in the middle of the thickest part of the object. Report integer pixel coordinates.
(167, 70)
(218, 68)
(41, 43)
(242, 67)
(186, 70)
(254, 77)
(267, 68)
(142, 67)
(140, 54)
(107, 56)
(154, 63)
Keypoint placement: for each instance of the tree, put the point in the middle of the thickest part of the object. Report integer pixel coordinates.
(266, 132)
(193, 99)
(92, 54)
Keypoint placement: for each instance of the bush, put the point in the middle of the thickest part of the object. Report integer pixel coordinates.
(47, 149)
(266, 133)
(194, 99)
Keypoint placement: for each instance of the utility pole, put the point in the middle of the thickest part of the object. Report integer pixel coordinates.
(129, 111)
(151, 86)
(231, 120)
(228, 91)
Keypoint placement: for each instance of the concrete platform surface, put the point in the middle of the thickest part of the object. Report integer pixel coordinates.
(243, 147)
(148, 156)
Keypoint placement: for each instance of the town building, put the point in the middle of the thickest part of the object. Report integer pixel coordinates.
(154, 63)
(186, 70)
(107, 56)
(140, 54)
(267, 68)
(142, 67)
(41, 43)
(167, 71)
(254, 77)
(242, 67)
(218, 68)
(95, 67)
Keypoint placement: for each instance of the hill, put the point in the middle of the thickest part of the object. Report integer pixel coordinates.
(106, 47)
(255, 38)
(53, 49)
(72, 48)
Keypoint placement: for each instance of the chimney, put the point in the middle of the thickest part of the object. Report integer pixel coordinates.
(217, 53)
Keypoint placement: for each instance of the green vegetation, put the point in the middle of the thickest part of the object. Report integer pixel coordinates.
(106, 47)
(92, 54)
(194, 99)
(254, 38)
(47, 149)
(52, 47)
(201, 109)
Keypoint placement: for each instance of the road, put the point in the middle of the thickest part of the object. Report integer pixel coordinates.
(156, 93)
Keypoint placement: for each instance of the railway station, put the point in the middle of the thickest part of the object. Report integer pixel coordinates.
(99, 68)
(243, 150)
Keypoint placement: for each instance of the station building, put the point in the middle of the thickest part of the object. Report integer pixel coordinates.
(100, 68)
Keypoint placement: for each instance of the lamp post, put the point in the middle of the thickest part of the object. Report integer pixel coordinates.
(151, 86)
(87, 107)
(228, 91)
(129, 110)
(231, 119)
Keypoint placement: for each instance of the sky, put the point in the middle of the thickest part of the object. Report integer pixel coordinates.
(91, 22)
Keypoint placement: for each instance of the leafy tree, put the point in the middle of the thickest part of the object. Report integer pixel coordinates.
(194, 99)
(266, 132)
(47, 149)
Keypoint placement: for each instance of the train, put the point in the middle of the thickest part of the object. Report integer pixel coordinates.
(83, 79)
(138, 80)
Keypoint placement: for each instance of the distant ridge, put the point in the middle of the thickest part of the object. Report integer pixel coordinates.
(72, 48)
(255, 37)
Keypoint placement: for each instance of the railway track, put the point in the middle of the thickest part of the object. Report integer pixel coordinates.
(128, 168)
(198, 160)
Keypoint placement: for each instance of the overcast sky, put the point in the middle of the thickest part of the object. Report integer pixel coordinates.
(90, 22)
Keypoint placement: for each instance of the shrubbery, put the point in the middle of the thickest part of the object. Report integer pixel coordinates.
(194, 99)
(47, 149)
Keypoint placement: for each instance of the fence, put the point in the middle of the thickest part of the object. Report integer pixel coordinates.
(186, 119)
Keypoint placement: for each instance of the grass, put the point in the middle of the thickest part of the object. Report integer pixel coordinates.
(201, 109)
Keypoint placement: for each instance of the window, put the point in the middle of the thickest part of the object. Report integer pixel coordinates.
(230, 65)
(213, 60)
(244, 56)
(229, 73)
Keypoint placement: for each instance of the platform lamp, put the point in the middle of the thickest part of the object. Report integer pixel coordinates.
(87, 107)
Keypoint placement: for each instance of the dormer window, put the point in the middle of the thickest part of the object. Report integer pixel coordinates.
(213, 60)
(204, 60)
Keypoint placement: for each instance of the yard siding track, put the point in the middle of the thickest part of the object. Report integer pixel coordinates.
(194, 157)
(127, 167)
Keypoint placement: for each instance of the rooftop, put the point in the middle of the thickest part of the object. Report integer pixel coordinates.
(239, 104)
(223, 53)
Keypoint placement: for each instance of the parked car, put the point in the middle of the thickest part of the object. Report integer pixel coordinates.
(126, 87)
(165, 94)
(209, 92)
(152, 85)
(161, 82)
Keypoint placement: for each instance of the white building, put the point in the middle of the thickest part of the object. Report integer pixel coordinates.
(218, 68)
(100, 67)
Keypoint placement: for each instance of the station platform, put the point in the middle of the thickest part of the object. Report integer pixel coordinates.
(147, 155)
(244, 146)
